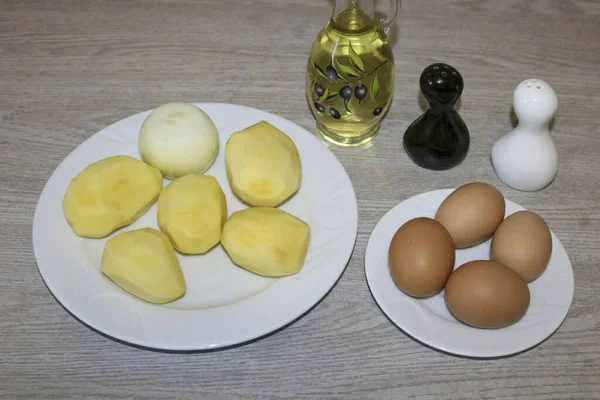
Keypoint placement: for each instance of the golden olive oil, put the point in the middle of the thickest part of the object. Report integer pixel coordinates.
(350, 78)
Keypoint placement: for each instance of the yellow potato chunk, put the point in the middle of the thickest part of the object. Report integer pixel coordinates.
(191, 212)
(263, 165)
(266, 241)
(144, 263)
(110, 194)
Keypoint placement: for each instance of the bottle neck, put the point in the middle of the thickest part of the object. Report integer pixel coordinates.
(531, 125)
(532, 129)
(435, 110)
(353, 15)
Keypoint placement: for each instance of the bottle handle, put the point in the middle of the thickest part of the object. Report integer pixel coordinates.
(387, 23)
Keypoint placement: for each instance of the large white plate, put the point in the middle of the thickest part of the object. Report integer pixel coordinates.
(430, 322)
(224, 304)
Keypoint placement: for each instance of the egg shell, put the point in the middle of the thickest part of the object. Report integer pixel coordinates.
(421, 257)
(486, 294)
(523, 242)
(472, 213)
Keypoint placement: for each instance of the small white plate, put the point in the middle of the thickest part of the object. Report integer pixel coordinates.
(224, 305)
(430, 322)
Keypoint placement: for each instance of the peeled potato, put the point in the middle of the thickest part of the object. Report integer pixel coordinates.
(110, 194)
(191, 212)
(143, 263)
(263, 165)
(266, 241)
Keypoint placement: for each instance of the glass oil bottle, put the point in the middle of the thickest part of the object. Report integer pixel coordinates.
(350, 73)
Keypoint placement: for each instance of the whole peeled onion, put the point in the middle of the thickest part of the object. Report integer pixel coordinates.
(178, 139)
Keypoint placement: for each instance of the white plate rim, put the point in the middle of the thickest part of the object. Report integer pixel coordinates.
(458, 347)
(319, 288)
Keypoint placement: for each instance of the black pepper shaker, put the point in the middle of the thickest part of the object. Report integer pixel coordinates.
(438, 139)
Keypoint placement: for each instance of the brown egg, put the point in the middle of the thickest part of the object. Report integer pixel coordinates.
(472, 213)
(421, 257)
(486, 294)
(523, 242)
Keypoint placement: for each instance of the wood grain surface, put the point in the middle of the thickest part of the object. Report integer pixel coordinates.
(68, 68)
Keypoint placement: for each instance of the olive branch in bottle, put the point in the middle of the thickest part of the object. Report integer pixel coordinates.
(336, 73)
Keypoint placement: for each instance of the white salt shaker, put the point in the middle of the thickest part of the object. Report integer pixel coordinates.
(526, 158)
